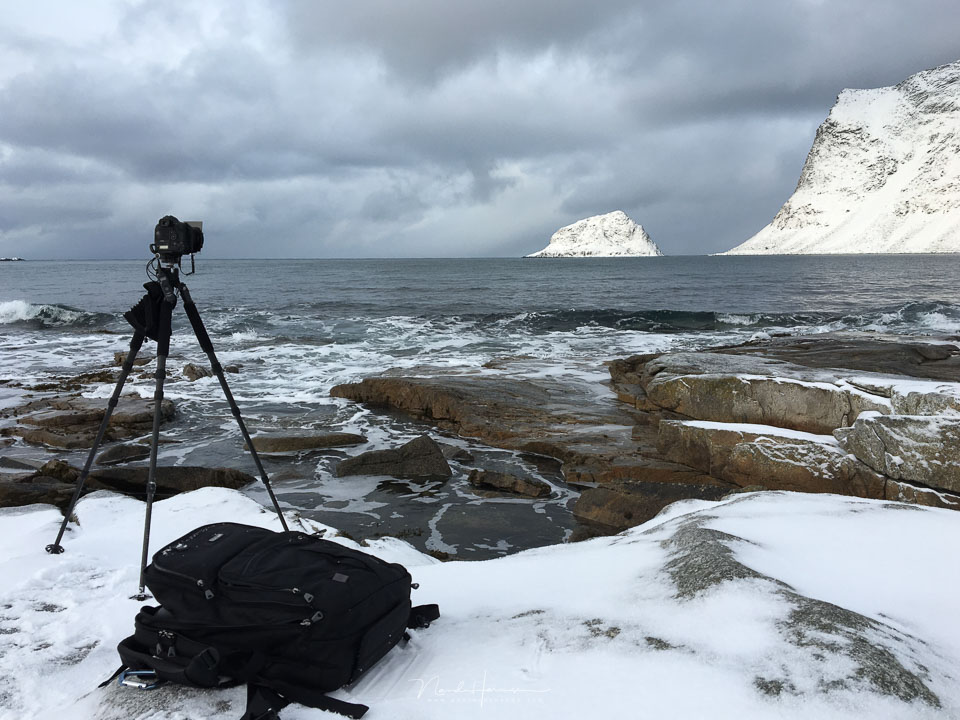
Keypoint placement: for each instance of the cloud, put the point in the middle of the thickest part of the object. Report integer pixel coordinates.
(306, 128)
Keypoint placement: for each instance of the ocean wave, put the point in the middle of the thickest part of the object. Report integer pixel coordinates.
(22, 313)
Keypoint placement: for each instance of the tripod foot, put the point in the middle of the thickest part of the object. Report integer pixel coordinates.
(55, 549)
(141, 596)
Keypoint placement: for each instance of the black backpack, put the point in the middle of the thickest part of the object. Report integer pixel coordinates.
(291, 615)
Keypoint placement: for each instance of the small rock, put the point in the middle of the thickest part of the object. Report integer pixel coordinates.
(299, 443)
(195, 372)
(123, 453)
(457, 454)
(232, 368)
(120, 357)
(505, 482)
(419, 458)
(59, 470)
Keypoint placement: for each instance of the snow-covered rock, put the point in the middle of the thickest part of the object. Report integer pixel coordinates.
(883, 175)
(610, 235)
(763, 605)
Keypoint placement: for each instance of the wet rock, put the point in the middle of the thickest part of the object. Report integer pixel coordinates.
(300, 443)
(234, 369)
(624, 504)
(128, 452)
(918, 449)
(72, 422)
(59, 470)
(8, 463)
(170, 479)
(457, 454)
(419, 458)
(194, 372)
(856, 351)
(30, 489)
(121, 356)
(563, 420)
(506, 482)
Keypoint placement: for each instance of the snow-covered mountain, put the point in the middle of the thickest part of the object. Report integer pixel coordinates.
(610, 235)
(883, 175)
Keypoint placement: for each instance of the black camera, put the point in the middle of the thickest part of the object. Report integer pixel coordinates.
(173, 239)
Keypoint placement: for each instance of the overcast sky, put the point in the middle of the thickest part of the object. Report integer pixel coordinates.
(437, 128)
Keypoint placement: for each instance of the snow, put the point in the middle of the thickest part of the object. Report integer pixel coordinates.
(766, 430)
(882, 176)
(593, 629)
(612, 235)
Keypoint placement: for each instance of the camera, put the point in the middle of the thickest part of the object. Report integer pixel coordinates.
(173, 239)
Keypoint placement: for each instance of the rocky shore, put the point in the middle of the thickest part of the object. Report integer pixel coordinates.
(861, 415)
(851, 414)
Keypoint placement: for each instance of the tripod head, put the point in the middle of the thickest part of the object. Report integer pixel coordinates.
(146, 315)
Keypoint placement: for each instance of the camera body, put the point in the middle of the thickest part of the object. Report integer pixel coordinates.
(172, 239)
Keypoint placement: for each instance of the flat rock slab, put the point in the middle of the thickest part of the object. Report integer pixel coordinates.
(420, 458)
(571, 422)
(509, 483)
(728, 388)
(128, 452)
(917, 449)
(877, 354)
(72, 422)
(303, 442)
(55, 482)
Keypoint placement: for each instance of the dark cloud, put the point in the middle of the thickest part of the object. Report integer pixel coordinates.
(428, 128)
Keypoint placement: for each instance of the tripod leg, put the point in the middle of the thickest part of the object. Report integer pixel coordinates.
(205, 343)
(135, 344)
(163, 349)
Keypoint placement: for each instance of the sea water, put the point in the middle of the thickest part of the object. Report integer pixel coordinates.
(299, 327)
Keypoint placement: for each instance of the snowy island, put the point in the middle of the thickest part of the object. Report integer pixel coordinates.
(882, 176)
(612, 235)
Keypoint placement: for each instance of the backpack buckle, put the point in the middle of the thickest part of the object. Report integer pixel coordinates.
(139, 679)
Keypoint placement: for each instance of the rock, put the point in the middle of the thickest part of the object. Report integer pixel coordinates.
(299, 443)
(8, 463)
(563, 420)
(72, 422)
(170, 479)
(28, 490)
(624, 504)
(858, 351)
(56, 481)
(457, 454)
(59, 470)
(505, 482)
(933, 402)
(923, 450)
(614, 234)
(121, 356)
(419, 458)
(123, 453)
(769, 457)
(234, 369)
(195, 372)
(717, 387)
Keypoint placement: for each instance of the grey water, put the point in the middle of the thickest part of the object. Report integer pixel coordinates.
(298, 327)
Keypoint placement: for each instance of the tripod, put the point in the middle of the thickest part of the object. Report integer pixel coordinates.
(151, 318)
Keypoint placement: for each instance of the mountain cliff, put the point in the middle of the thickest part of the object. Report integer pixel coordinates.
(610, 235)
(883, 175)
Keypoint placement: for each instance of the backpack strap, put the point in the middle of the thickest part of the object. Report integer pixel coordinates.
(265, 703)
(199, 670)
(422, 615)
